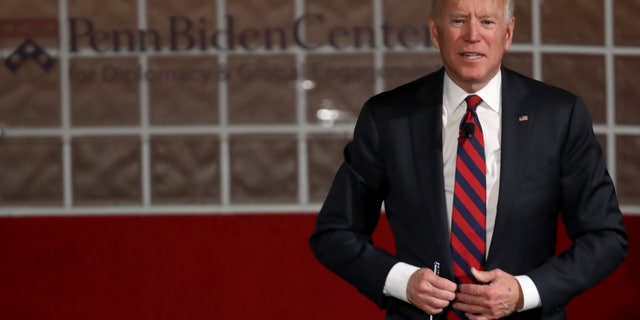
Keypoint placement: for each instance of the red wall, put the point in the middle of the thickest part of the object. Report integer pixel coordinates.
(208, 267)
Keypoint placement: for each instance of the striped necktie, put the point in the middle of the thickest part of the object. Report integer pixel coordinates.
(468, 226)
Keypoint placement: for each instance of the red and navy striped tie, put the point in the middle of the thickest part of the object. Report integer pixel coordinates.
(468, 226)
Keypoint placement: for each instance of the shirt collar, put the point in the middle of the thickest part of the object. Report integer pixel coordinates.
(453, 95)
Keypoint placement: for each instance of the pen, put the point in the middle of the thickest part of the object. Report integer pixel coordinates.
(436, 271)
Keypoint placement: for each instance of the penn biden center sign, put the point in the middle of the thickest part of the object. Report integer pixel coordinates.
(188, 34)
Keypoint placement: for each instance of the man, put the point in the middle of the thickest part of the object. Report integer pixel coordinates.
(410, 151)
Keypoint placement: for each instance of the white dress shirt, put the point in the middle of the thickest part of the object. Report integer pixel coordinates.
(489, 114)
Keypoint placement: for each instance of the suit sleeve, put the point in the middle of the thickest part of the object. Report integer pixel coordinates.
(341, 240)
(590, 213)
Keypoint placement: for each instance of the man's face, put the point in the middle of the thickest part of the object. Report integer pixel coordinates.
(472, 36)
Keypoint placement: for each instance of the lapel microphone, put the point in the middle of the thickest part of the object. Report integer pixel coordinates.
(468, 128)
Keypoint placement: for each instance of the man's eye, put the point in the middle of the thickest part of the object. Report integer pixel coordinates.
(487, 22)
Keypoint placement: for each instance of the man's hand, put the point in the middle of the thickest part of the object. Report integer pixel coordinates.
(430, 292)
(500, 296)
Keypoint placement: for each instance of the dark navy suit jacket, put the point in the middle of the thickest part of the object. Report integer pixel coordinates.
(551, 166)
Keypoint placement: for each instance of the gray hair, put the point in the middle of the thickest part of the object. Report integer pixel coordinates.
(508, 9)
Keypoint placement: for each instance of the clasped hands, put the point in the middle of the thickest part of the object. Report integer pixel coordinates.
(498, 296)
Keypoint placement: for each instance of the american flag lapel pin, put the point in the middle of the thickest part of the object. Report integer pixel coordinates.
(523, 118)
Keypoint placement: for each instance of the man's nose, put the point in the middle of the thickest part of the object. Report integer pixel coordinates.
(472, 31)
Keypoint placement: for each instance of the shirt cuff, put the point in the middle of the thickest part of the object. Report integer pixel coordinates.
(530, 294)
(397, 280)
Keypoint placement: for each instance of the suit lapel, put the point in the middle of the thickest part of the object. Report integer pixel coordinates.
(426, 140)
(517, 117)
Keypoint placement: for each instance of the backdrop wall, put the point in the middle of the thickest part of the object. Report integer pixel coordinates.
(166, 160)
(210, 267)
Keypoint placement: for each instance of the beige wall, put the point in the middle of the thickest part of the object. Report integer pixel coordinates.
(149, 106)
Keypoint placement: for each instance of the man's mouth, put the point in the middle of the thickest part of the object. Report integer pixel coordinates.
(471, 55)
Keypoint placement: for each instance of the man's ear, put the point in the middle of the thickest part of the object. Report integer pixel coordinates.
(509, 34)
(433, 33)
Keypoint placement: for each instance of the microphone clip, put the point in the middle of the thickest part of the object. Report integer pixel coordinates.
(467, 130)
